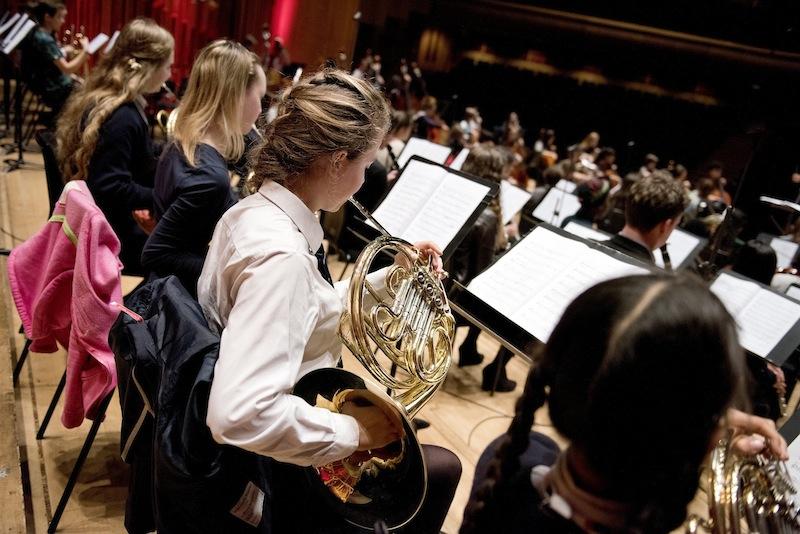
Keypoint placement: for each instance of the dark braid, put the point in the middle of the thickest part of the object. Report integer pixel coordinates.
(481, 510)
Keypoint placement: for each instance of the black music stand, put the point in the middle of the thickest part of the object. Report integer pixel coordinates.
(20, 34)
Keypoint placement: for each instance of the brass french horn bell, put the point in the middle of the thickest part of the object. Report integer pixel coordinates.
(403, 336)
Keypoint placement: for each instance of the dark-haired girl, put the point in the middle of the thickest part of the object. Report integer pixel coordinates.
(642, 395)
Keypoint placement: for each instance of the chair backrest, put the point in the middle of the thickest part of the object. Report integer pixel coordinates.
(55, 183)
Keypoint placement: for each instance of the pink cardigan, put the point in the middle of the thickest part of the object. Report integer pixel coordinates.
(65, 283)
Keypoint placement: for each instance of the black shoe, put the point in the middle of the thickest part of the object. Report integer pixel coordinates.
(469, 357)
(419, 424)
(504, 384)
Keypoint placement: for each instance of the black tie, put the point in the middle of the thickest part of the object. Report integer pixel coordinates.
(322, 265)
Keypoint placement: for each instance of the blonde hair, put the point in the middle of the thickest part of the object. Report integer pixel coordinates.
(120, 77)
(488, 162)
(214, 97)
(324, 113)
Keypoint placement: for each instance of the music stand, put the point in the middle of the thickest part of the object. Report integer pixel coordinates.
(21, 29)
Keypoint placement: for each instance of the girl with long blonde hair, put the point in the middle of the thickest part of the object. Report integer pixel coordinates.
(266, 289)
(103, 135)
(192, 184)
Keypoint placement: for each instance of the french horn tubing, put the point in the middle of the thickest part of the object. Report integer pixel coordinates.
(403, 336)
(747, 494)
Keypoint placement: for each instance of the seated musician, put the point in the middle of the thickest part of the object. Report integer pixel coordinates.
(653, 209)
(636, 441)
(192, 184)
(265, 286)
(44, 66)
(104, 137)
(485, 238)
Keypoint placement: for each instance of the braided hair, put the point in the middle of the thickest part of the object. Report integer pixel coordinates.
(639, 393)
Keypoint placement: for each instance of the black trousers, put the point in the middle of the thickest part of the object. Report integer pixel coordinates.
(296, 508)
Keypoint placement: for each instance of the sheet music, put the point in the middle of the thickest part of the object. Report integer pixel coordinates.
(446, 211)
(459, 160)
(95, 44)
(785, 250)
(425, 149)
(680, 246)
(566, 185)
(763, 318)
(14, 30)
(111, 42)
(429, 203)
(19, 36)
(536, 280)
(794, 292)
(793, 465)
(7, 24)
(781, 203)
(586, 232)
(413, 189)
(512, 199)
(565, 204)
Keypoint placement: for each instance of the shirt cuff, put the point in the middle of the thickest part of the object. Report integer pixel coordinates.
(346, 436)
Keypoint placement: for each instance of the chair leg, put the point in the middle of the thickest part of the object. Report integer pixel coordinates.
(76, 469)
(52, 407)
(21, 360)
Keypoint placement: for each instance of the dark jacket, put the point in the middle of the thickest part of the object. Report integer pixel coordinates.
(476, 251)
(521, 509)
(120, 178)
(188, 202)
(630, 248)
(194, 484)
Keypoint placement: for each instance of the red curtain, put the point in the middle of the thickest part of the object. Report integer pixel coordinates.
(193, 23)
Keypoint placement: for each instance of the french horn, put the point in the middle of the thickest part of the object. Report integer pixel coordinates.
(747, 494)
(403, 336)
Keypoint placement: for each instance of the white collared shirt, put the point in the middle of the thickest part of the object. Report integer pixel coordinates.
(278, 319)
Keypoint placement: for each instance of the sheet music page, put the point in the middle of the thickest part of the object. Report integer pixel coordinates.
(566, 185)
(794, 292)
(680, 245)
(19, 36)
(445, 211)
(15, 29)
(538, 278)
(785, 250)
(423, 148)
(794, 461)
(459, 160)
(586, 232)
(765, 320)
(556, 206)
(780, 202)
(111, 42)
(512, 198)
(7, 24)
(415, 186)
(734, 292)
(95, 44)
(591, 267)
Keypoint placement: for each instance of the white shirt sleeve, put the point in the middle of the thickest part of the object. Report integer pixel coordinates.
(250, 406)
